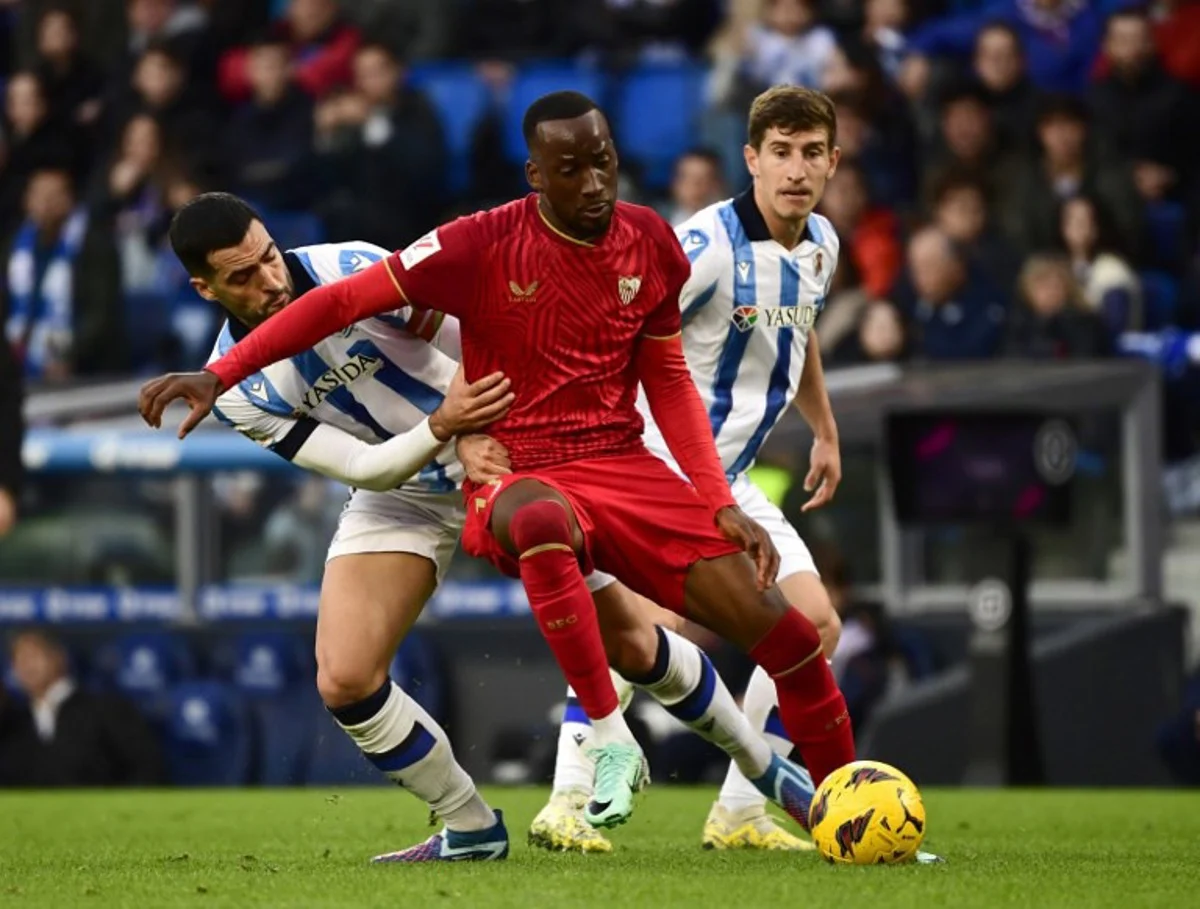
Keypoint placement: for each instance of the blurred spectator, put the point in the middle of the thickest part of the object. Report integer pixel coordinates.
(999, 69)
(61, 298)
(697, 183)
(177, 26)
(1110, 286)
(73, 83)
(31, 141)
(67, 736)
(511, 30)
(878, 337)
(840, 315)
(415, 30)
(883, 30)
(101, 25)
(628, 31)
(127, 202)
(1176, 24)
(190, 126)
(955, 313)
(1052, 320)
(1065, 168)
(12, 431)
(870, 233)
(268, 147)
(1143, 114)
(382, 152)
(1060, 38)
(960, 210)
(967, 144)
(788, 45)
(889, 170)
(322, 42)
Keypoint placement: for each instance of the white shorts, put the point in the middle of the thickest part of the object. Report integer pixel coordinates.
(794, 556)
(424, 523)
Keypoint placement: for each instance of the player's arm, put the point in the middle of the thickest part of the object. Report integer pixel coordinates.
(337, 454)
(812, 400)
(437, 328)
(681, 418)
(436, 272)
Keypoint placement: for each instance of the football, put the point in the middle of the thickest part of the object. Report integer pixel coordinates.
(867, 813)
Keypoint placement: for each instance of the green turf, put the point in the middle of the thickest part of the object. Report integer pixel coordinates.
(309, 848)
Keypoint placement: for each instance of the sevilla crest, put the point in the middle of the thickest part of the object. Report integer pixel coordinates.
(628, 287)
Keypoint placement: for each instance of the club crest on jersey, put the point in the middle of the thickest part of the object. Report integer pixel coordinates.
(745, 317)
(628, 287)
(520, 294)
(818, 263)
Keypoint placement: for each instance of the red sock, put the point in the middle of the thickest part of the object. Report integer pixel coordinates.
(811, 707)
(562, 605)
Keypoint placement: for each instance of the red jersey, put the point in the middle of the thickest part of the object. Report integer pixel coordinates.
(559, 317)
(575, 326)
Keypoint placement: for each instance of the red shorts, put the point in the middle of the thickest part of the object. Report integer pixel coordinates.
(640, 522)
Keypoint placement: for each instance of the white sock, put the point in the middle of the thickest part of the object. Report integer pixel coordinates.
(738, 793)
(574, 771)
(396, 735)
(686, 684)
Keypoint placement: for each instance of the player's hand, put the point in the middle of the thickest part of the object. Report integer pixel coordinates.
(468, 408)
(737, 527)
(483, 457)
(824, 473)
(199, 390)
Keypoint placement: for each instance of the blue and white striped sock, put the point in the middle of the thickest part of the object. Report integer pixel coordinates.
(396, 735)
(686, 684)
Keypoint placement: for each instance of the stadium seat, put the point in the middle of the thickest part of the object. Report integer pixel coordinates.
(207, 736)
(655, 117)
(417, 669)
(1167, 225)
(530, 83)
(336, 760)
(273, 672)
(293, 229)
(143, 666)
(461, 101)
(1160, 295)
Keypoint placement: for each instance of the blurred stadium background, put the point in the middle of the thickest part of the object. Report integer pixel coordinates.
(1053, 141)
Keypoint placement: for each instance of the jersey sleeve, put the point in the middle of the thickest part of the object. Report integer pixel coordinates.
(665, 319)
(697, 240)
(283, 435)
(440, 271)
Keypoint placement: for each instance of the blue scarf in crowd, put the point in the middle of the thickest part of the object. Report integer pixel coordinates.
(40, 322)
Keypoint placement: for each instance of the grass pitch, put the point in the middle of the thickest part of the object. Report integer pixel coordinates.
(310, 848)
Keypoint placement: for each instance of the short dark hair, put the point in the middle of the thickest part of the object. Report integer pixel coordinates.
(209, 222)
(791, 109)
(702, 153)
(955, 180)
(999, 25)
(1062, 107)
(565, 105)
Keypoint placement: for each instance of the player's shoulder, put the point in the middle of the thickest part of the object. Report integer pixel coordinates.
(704, 231)
(492, 224)
(823, 233)
(327, 262)
(648, 223)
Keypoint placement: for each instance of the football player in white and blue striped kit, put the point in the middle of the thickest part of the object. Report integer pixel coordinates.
(762, 264)
(365, 406)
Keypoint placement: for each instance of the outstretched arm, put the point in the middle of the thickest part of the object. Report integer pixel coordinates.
(812, 400)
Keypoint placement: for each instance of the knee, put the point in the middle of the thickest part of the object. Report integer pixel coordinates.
(540, 523)
(342, 681)
(632, 652)
(829, 624)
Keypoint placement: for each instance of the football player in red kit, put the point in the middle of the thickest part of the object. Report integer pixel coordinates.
(574, 296)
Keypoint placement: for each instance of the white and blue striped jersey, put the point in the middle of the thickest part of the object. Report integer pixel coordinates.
(747, 311)
(373, 380)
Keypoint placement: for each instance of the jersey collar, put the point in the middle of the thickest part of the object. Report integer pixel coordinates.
(302, 283)
(755, 225)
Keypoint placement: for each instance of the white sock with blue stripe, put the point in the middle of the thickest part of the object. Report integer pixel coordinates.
(396, 735)
(686, 684)
(761, 707)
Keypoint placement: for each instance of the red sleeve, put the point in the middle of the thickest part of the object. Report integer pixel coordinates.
(666, 319)
(331, 66)
(681, 417)
(437, 270)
